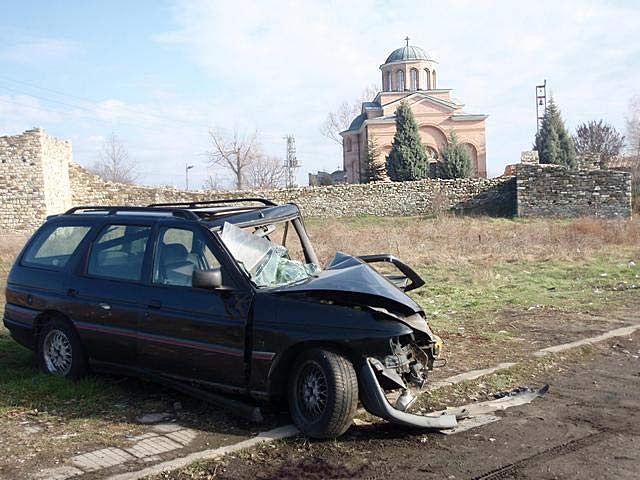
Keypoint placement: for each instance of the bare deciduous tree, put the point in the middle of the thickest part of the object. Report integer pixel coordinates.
(266, 172)
(114, 164)
(633, 148)
(213, 182)
(633, 128)
(598, 138)
(233, 152)
(339, 120)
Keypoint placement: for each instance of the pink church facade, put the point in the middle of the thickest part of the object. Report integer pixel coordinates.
(411, 74)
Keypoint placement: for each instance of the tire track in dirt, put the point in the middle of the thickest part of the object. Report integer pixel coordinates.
(511, 469)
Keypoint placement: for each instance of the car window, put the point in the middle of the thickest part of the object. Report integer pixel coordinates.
(54, 246)
(285, 234)
(118, 252)
(267, 262)
(180, 252)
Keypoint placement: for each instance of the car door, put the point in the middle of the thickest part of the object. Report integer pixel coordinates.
(106, 293)
(191, 332)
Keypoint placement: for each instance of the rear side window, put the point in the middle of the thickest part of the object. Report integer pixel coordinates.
(118, 252)
(53, 246)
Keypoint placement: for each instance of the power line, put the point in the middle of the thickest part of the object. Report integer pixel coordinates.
(88, 117)
(102, 120)
(263, 139)
(162, 118)
(92, 111)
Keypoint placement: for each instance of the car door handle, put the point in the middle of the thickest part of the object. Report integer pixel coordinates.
(155, 304)
(104, 306)
(72, 292)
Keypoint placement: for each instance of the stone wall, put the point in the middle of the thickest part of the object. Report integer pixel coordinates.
(477, 195)
(38, 178)
(545, 190)
(56, 157)
(30, 188)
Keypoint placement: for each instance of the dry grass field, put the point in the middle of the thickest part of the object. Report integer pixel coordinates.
(499, 288)
(475, 241)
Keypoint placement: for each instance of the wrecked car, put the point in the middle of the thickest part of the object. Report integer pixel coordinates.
(227, 296)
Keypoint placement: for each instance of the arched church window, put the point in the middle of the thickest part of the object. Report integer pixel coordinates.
(348, 144)
(414, 79)
(388, 89)
(400, 86)
(433, 83)
(428, 72)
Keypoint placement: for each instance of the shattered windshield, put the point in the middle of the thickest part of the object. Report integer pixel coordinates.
(267, 262)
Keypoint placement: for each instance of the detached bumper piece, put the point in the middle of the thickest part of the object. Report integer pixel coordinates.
(376, 403)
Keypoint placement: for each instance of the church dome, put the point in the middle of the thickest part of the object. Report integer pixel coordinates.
(408, 53)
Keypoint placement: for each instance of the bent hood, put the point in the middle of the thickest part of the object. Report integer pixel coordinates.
(347, 278)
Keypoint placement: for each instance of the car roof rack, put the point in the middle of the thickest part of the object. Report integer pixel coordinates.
(207, 203)
(114, 210)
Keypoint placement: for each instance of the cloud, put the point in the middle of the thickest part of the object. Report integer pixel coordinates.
(22, 112)
(29, 49)
(279, 67)
(284, 65)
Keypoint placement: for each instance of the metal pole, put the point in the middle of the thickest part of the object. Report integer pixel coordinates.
(541, 103)
(187, 167)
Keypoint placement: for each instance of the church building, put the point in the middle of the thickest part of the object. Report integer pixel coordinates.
(411, 74)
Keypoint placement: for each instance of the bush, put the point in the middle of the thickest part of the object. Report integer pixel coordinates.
(456, 161)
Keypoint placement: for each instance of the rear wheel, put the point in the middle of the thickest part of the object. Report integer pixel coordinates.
(60, 351)
(323, 393)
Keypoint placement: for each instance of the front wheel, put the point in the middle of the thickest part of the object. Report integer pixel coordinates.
(60, 351)
(323, 393)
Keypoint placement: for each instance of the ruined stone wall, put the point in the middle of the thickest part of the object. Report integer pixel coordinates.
(545, 190)
(478, 195)
(38, 178)
(30, 190)
(56, 156)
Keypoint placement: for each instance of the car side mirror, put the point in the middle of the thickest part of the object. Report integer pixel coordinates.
(207, 279)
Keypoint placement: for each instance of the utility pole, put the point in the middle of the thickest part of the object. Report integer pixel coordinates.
(541, 103)
(187, 167)
(291, 161)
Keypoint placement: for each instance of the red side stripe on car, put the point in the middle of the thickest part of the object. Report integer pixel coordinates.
(160, 339)
(172, 341)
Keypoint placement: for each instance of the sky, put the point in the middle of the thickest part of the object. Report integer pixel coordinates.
(161, 74)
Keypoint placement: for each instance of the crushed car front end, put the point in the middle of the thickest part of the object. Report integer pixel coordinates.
(404, 368)
(356, 307)
(398, 359)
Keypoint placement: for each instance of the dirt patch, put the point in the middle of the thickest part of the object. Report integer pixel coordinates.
(512, 335)
(587, 426)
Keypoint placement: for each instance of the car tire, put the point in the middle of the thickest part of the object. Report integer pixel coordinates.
(323, 393)
(60, 350)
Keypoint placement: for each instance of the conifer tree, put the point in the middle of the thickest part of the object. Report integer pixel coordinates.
(408, 158)
(553, 142)
(373, 171)
(456, 161)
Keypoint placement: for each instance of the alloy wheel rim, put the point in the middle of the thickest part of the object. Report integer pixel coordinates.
(312, 391)
(57, 352)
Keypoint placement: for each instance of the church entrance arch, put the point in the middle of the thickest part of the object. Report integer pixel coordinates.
(473, 153)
